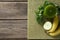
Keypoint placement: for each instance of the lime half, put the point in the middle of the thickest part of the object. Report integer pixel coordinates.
(49, 11)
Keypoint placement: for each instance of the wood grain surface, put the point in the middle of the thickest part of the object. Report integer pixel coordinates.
(13, 0)
(13, 10)
(13, 39)
(13, 28)
(13, 19)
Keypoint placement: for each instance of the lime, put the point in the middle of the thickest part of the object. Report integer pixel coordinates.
(49, 11)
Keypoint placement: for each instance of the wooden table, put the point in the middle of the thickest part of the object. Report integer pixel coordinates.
(13, 19)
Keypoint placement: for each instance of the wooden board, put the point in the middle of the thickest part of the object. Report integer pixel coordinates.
(13, 0)
(35, 30)
(13, 28)
(13, 39)
(13, 19)
(13, 10)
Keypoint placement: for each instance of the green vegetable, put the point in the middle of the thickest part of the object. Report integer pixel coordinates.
(39, 16)
(40, 19)
(58, 10)
(41, 8)
(46, 3)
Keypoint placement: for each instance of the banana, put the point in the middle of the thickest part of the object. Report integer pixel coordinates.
(54, 25)
(56, 33)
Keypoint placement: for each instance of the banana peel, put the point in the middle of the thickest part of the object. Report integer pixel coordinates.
(54, 25)
(56, 33)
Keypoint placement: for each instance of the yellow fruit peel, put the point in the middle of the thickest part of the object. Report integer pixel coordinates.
(55, 24)
(56, 33)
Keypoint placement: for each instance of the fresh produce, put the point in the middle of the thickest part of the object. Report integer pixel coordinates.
(39, 16)
(46, 3)
(39, 19)
(55, 24)
(58, 11)
(56, 33)
(40, 13)
(47, 25)
(47, 15)
(50, 11)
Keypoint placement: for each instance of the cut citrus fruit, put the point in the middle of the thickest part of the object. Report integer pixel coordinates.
(49, 11)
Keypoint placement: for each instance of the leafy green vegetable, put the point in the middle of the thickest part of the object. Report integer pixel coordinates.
(58, 10)
(48, 3)
(39, 15)
(40, 8)
(39, 11)
(40, 19)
